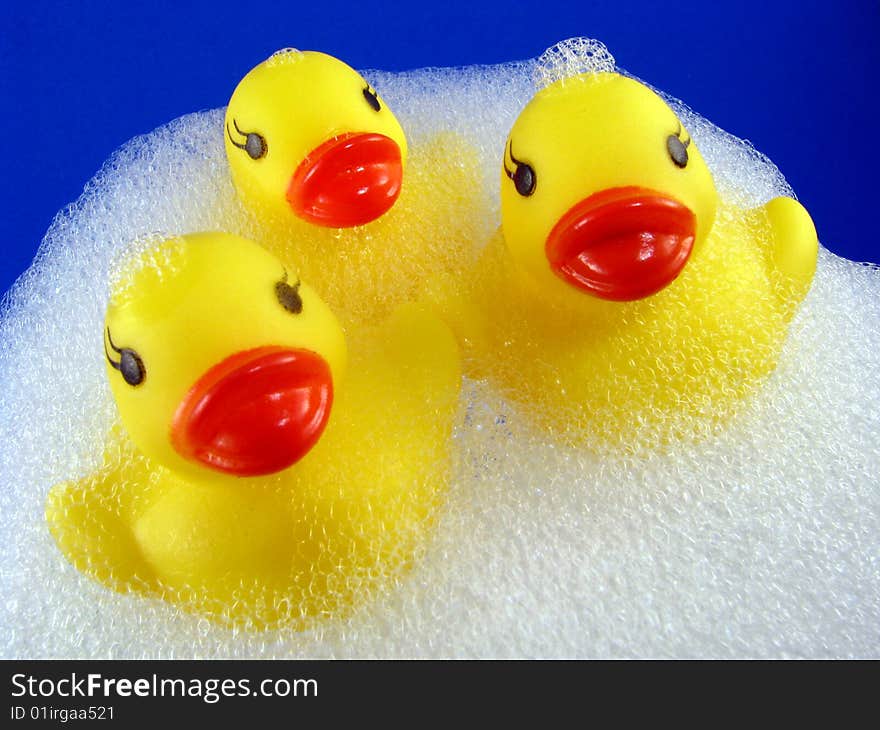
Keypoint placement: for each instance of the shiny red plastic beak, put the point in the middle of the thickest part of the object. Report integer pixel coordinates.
(256, 412)
(622, 243)
(349, 180)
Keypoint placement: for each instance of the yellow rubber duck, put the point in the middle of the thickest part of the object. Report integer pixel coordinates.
(306, 135)
(623, 303)
(257, 479)
(318, 159)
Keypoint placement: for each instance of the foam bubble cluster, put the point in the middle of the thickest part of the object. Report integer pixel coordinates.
(284, 55)
(760, 540)
(570, 58)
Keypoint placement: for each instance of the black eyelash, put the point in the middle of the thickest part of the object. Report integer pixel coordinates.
(679, 133)
(240, 145)
(115, 349)
(509, 151)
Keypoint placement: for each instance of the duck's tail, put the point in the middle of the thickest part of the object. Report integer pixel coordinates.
(794, 247)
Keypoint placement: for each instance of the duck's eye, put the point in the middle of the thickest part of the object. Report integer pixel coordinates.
(524, 179)
(129, 365)
(372, 98)
(523, 175)
(288, 296)
(677, 148)
(254, 144)
(132, 367)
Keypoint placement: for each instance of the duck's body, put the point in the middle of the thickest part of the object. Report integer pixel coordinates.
(308, 540)
(622, 303)
(334, 187)
(639, 373)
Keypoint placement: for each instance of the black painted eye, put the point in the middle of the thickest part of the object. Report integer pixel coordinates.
(130, 364)
(524, 179)
(132, 367)
(288, 295)
(372, 98)
(523, 175)
(677, 148)
(254, 144)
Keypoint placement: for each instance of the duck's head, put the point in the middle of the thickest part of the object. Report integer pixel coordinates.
(306, 135)
(219, 358)
(603, 190)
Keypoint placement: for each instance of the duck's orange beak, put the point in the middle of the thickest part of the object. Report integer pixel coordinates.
(622, 243)
(256, 412)
(349, 180)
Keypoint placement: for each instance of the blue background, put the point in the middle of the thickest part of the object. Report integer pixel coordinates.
(798, 79)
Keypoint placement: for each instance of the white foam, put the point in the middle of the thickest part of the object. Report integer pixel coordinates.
(763, 541)
(572, 57)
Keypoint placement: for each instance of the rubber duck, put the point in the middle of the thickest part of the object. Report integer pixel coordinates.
(264, 472)
(622, 302)
(327, 180)
(306, 135)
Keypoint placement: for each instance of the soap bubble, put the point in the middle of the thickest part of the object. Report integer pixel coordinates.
(571, 57)
(284, 56)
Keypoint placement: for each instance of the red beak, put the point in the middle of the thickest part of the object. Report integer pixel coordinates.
(349, 180)
(622, 243)
(256, 412)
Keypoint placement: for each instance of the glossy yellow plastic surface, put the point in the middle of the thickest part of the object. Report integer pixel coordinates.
(281, 549)
(638, 372)
(297, 101)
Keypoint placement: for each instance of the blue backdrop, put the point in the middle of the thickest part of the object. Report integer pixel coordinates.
(796, 78)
